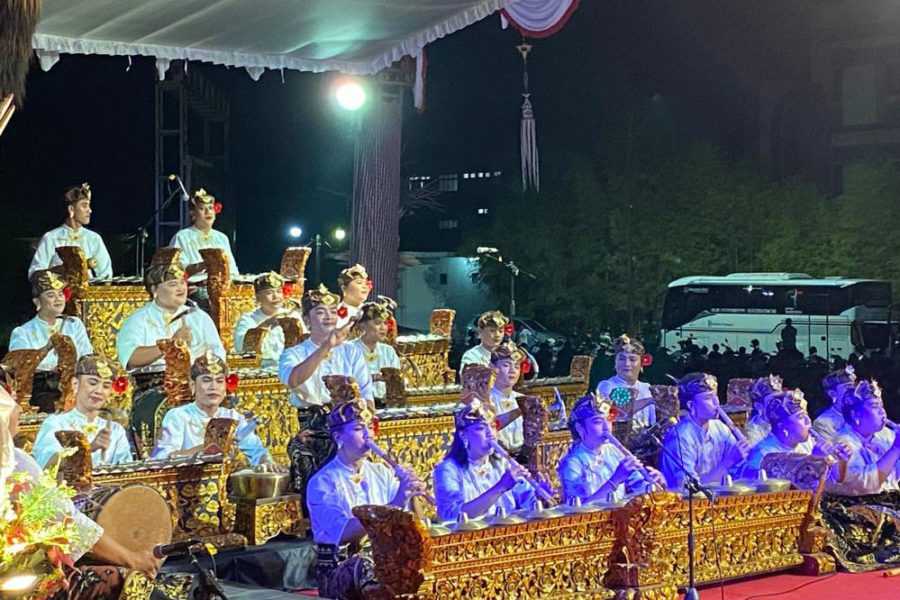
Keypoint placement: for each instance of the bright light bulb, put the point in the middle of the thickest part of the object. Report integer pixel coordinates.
(340, 234)
(295, 232)
(18, 583)
(350, 95)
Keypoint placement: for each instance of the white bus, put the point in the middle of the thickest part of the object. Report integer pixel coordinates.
(834, 314)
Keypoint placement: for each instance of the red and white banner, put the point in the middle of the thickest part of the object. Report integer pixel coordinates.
(538, 18)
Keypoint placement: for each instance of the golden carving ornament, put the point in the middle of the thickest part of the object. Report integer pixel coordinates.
(261, 520)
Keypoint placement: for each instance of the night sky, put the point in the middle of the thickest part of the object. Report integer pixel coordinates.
(90, 119)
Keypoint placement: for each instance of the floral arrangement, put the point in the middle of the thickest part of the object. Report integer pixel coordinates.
(36, 537)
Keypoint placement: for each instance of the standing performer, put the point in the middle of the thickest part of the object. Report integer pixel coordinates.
(94, 377)
(595, 469)
(491, 329)
(835, 385)
(303, 369)
(355, 289)
(474, 479)
(700, 444)
(758, 425)
(201, 235)
(167, 315)
(506, 361)
(629, 364)
(348, 480)
(74, 232)
(269, 290)
(374, 320)
(48, 292)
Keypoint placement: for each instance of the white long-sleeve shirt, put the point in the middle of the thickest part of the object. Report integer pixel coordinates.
(89, 241)
(861, 476)
(191, 240)
(384, 356)
(34, 335)
(46, 445)
(273, 343)
(345, 359)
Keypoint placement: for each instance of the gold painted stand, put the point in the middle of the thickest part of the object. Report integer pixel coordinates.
(261, 520)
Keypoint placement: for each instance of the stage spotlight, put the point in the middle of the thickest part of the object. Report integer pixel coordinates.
(350, 95)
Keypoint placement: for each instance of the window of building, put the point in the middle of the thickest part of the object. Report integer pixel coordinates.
(448, 183)
(448, 224)
(482, 211)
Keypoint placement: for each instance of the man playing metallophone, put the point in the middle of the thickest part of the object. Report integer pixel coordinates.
(595, 469)
(167, 315)
(184, 427)
(94, 378)
(269, 290)
(303, 369)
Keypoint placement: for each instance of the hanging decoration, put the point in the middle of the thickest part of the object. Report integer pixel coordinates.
(538, 18)
(528, 133)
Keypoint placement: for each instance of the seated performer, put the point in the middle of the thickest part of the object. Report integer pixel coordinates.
(302, 369)
(269, 290)
(874, 463)
(472, 478)
(700, 444)
(94, 376)
(48, 292)
(165, 316)
(758, 425)
(85, 582)
(789, 427)
(355, 289)
(74, 232)
(594, 469)
(348, 480)
(374, 318)
(629, 357)
(835, 385)
(201, 235)
(506, 361)
(184, 427)
(491, 329)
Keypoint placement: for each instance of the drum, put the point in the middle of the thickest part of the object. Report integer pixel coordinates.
(136, 515)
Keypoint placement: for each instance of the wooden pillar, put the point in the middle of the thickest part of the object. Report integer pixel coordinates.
(375, 213)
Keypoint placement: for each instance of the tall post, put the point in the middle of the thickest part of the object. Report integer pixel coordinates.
(318, 259)
(375, 214)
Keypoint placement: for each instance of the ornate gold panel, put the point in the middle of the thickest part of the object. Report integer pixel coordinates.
(261, 520)
(420, 443)
(269, 401)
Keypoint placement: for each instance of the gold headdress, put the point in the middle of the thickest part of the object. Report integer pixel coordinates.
(321, 295)
(694, 384)
(492, 318)
(209, 364)
(76, 193)
(761, 388)
(381, 309)
(624, 343)
(98, 366)
(357, 271)
(834, 381)
(781, 404)
(44, 281)
(507, 350)
(589, 405)
(865, 391)
(164, 266)
(347, 403)
(268, 281)
(202, 197)
(473, 413)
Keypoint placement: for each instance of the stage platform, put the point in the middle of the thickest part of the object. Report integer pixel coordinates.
(243, 592)
(837, 586)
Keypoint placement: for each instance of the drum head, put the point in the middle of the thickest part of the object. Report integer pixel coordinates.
(137, 517)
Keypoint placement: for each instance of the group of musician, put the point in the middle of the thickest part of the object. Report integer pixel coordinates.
(334, 378)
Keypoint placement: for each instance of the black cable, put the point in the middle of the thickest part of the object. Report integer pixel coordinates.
(793, 589)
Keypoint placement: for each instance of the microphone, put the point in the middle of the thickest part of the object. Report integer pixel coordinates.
(486, 250)
(163, 550)
(184, 195)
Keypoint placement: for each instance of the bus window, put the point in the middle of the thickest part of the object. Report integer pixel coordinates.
(871, 294)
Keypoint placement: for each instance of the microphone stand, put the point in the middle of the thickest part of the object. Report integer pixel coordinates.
(514, 272)
(141, 234)
(208, 587)
(692, 485)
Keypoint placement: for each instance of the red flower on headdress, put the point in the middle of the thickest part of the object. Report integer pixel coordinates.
(391, 324)
(497, 424)
(232, 382)
(375, 426)
(613, 413)
(120, 384)
(509, 329)
(287, 289)
(370, 283)
(217, 207)
(67, 293)
(342, 312)
(525, 367)
(646, 360)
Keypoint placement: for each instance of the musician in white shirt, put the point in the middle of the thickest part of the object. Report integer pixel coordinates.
(74, 232)
(375, 318)
(492, 326)
(629, 364)
(268, 288)
(165, 316)
(201, 235)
